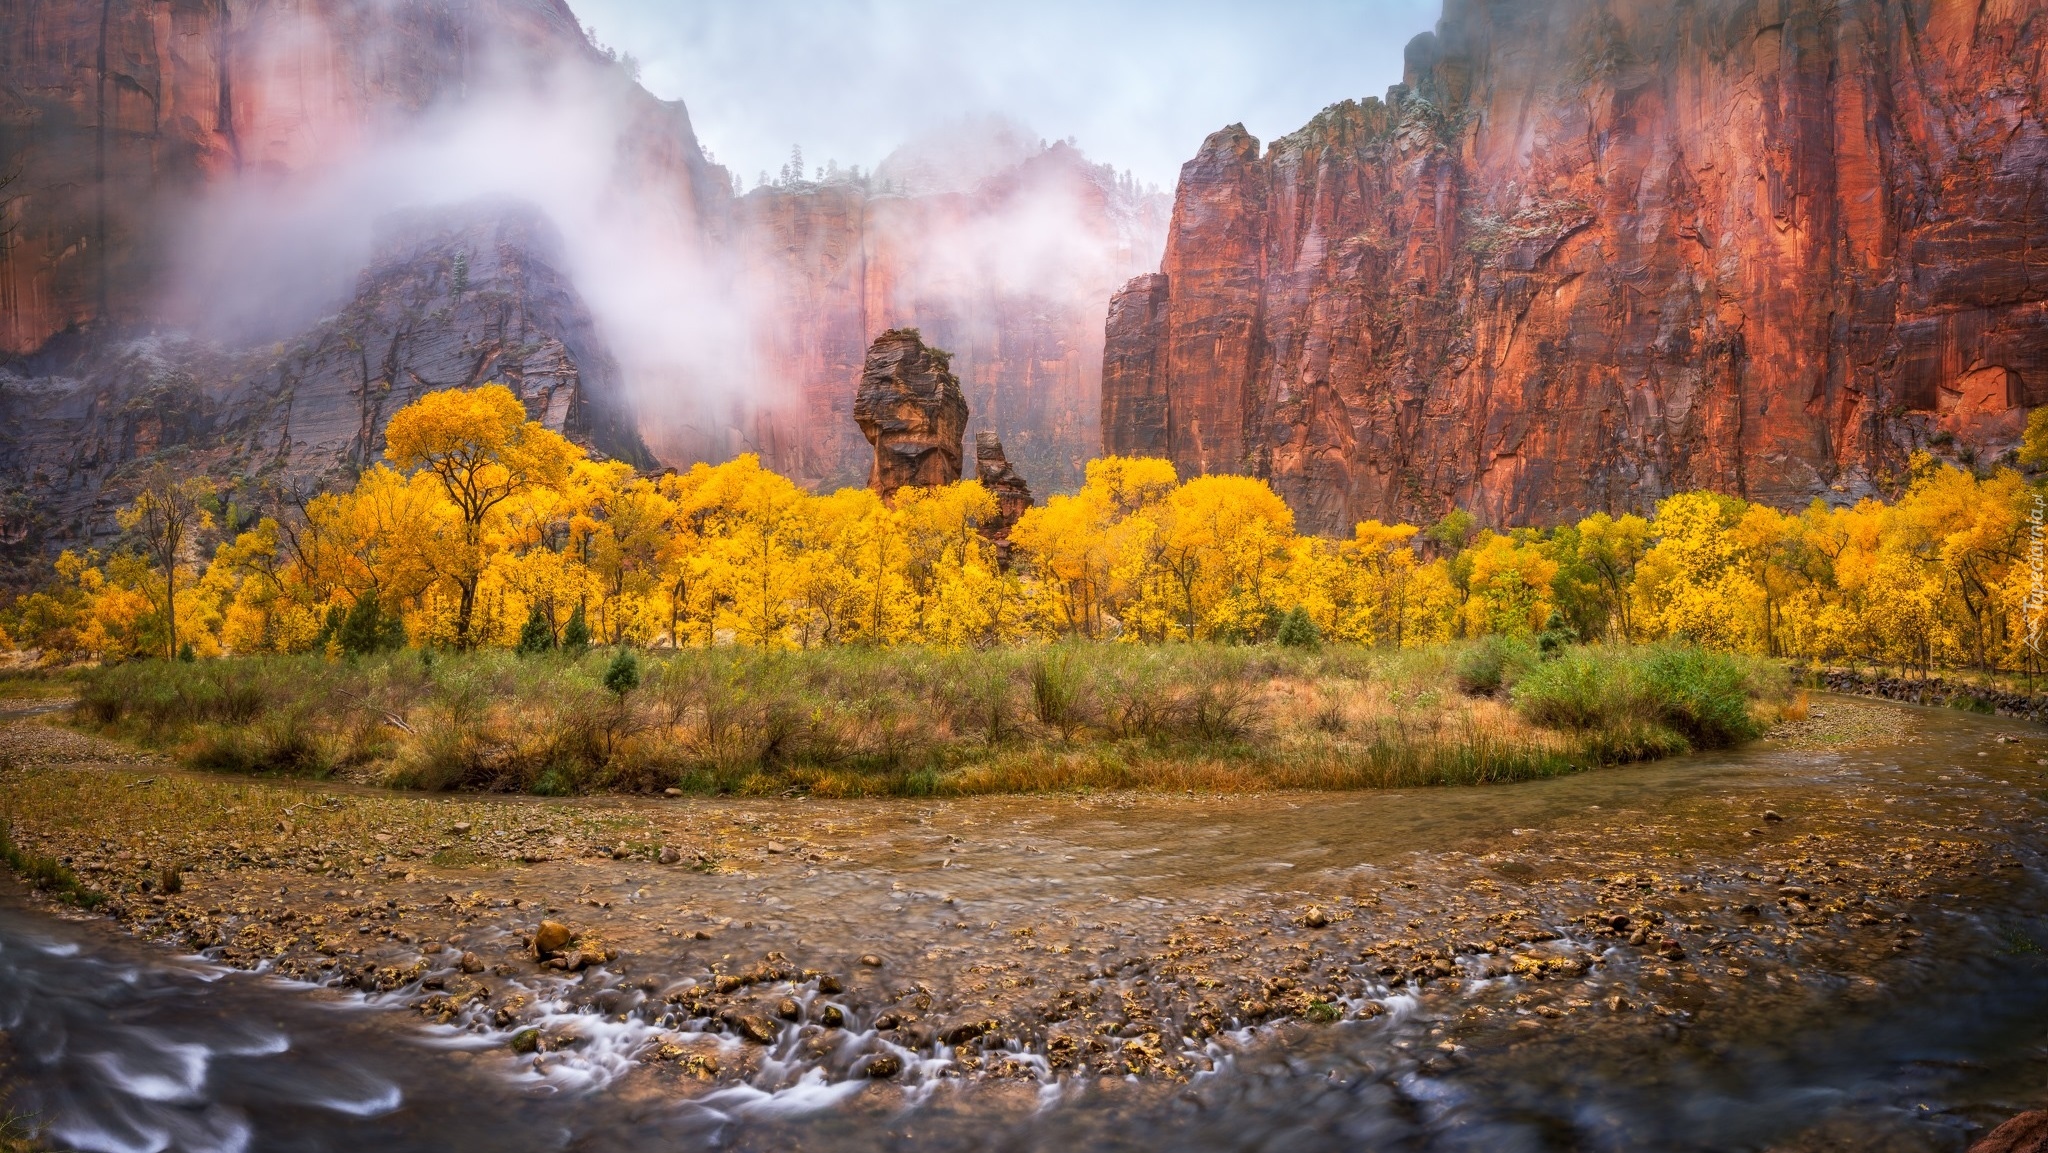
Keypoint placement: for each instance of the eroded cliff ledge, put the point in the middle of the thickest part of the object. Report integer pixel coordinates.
(1593, 251)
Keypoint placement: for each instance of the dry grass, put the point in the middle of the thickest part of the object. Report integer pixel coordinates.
(910, 722)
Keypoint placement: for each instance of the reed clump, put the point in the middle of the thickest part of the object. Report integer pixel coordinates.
(46, 873)
(916, 722)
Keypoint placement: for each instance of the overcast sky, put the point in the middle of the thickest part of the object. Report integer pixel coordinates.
(1138, 83)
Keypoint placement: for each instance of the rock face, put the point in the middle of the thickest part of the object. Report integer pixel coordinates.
(123, 124)
(1008, 267)
(76, 426)
(1013, 496)
(1590, 252)
(115, 116)
(161, 166)
(910, 409)
(2026, 1133)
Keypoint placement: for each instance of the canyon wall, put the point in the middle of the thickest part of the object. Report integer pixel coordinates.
(1593, 251)
(229, 233)
(117, 117)
(160, 162)
(1008, 271)
(452, 298)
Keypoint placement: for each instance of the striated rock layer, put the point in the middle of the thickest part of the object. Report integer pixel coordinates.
(909, 408)
(1593, 251)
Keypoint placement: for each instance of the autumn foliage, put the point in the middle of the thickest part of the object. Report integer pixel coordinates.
(483, 529)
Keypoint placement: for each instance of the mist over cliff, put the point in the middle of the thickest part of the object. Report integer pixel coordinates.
(223, 222)
(998, 246)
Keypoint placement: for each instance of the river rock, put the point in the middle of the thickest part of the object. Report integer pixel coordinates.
(962, 1032)
(670, 855)
(754, 1027)
(552, 937)
(883, 1066)
(2026, 1133)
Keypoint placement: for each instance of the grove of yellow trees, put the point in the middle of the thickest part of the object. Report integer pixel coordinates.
(483, 528)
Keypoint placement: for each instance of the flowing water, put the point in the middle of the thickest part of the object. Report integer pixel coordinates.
(115, 1045)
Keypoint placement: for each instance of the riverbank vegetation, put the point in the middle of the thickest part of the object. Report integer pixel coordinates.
(45, 873)
(482, 529)
(917, 721)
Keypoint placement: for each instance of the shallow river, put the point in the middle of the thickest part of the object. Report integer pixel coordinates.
(117, 1045)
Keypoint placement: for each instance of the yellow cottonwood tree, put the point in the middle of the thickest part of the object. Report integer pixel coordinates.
(481, 451)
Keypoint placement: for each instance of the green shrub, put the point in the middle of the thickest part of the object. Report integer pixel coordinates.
(537, 635)
(1557, 636)
(622, 676)
(1221, 705)
(1703, 696)
(1643, 702)
(979, 694)
(1058, 691)
(554, 782)
(1298, 631)
(1580, 690)
(46, 873)
(576, 634)
(922, 783)
(1493, 663)
(282, 743)
(367, 629)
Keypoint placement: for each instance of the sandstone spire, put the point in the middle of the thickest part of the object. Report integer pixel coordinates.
(1013, 496)
(910, 408)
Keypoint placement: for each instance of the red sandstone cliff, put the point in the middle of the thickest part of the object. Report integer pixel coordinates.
(1009, 273)
(1592, 251)
(685, 317)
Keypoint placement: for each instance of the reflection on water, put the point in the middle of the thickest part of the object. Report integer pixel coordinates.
(119, 1047)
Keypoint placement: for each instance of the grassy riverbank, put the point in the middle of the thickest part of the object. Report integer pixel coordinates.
(849, 721)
